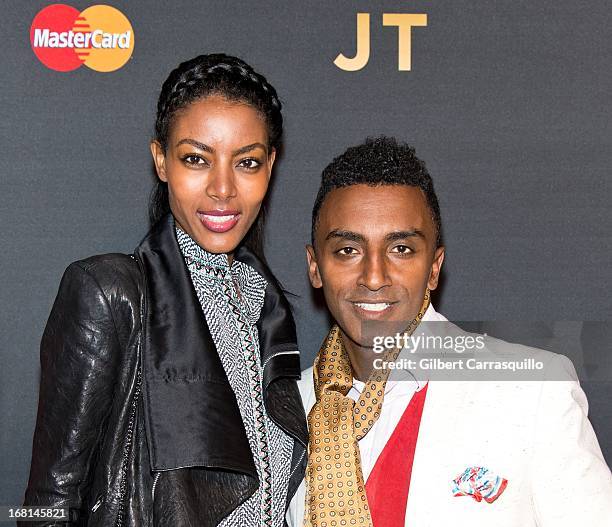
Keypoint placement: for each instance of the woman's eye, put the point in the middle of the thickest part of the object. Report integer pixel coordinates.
(402, 249)
(249, 163)
(193, 159)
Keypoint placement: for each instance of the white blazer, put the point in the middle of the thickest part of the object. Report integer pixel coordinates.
(535, 434)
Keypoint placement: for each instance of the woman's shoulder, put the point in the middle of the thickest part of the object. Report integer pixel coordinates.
(112, 273)
(118, 262)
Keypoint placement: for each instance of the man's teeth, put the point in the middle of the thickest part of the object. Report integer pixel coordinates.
(373, 307)
(218, 219)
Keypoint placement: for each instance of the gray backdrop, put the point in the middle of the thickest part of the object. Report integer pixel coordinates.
(507, 102)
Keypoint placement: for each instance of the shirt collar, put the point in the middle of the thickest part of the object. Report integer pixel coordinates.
(200, 259)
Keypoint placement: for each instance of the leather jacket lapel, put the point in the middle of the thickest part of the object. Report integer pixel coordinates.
(191, 414)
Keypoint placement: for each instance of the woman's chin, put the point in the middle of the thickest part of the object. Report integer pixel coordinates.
(218, 243)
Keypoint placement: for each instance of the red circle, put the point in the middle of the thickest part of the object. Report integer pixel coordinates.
(54, 19)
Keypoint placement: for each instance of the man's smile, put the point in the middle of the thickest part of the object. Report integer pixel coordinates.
(368, 309)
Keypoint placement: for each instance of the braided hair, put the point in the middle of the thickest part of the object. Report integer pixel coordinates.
(233, 79)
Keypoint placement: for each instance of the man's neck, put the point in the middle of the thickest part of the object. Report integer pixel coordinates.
(360, 357)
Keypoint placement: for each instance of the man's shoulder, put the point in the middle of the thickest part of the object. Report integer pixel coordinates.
(555, 366)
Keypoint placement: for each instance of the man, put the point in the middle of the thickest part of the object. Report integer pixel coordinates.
(426, 452)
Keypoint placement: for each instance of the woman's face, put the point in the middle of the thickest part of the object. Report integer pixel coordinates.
(217, 165)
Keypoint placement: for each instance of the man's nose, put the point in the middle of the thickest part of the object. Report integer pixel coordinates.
(374, 272)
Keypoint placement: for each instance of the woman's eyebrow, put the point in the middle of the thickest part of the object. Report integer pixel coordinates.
(248, 148)
(211, 150)
(197, 144)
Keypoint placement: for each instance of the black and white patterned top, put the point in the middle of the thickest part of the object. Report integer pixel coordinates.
(232, 298)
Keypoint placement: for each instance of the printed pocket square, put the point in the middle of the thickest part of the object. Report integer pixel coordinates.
(480, 483)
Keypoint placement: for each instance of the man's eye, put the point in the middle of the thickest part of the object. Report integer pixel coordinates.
(402, 249)
(347, 251)
(249, 163)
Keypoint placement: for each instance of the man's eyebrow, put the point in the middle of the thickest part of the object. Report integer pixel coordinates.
(345, 235)
(197, 144)
(402, 235)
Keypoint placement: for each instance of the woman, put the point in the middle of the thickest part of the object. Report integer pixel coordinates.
(168, 393)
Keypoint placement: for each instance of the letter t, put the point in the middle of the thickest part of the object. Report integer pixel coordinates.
(404, 22)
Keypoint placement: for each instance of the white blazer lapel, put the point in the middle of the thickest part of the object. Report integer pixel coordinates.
(435, 451)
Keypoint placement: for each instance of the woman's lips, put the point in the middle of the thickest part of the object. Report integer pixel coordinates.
(219, 220)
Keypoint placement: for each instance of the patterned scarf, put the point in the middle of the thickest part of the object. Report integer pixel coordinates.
(335, 489)
(232, 297)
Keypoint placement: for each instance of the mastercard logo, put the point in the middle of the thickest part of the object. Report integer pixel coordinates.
(63, 38)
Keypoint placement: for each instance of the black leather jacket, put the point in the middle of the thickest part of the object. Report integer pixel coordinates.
(131, 385)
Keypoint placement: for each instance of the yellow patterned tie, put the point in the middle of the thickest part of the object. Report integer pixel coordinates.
(335, 489)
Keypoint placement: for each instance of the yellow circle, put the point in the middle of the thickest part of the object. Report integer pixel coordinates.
(112, 38)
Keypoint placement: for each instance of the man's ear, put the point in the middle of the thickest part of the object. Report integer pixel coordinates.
(436, 267)
(159, 158)
(313, 267)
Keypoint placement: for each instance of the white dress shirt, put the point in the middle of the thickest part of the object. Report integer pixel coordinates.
(397, 397)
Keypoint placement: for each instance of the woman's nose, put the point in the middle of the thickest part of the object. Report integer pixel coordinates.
(221, 185)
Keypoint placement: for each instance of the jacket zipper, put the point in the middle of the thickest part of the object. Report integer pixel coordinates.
(126, 452)
(131, 421)
(97, 504)
(157, 474)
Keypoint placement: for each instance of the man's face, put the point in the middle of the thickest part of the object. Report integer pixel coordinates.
(374, 255)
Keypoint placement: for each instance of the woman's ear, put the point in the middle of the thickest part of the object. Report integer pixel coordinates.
(271, 159)
(159, 158)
